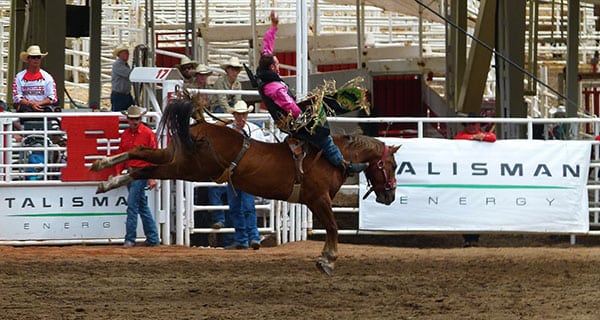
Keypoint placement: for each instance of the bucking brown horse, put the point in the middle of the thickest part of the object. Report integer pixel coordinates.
(208, 151)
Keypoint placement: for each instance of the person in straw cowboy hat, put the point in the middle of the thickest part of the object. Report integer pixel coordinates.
(221, 103)
(186, 67)
(34, 88)
(242, 212)
(137, 134)
(120, 95)
(199, 81)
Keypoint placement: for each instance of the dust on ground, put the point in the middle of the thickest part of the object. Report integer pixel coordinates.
(397, 280)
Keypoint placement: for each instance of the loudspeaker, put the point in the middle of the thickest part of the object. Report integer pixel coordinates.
(78, 21)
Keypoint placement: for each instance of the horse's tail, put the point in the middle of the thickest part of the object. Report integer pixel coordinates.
(176, 120)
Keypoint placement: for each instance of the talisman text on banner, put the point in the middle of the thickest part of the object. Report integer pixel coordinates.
(509, 185)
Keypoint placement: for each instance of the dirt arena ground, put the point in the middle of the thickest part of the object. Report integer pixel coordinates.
(436, 279)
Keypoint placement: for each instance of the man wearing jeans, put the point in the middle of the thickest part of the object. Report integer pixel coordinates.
(241, 204)
(137, 135)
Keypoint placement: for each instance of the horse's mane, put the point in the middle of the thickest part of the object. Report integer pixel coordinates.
(176, 121)
(359, 141)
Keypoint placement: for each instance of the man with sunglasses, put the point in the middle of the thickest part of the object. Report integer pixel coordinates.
(137, 204)
(34, 89)
(187, 67)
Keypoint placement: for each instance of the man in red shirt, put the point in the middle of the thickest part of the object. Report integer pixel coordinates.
(137, 135)
(473, 131)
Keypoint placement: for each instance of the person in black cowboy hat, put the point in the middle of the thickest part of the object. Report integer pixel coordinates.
(137, 135)
(472, 131)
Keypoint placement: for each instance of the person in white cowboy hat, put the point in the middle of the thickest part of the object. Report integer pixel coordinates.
(200, 78)
(229, 81)
(120, 95)
(242, 212)
(186, 67)
(137, 134)
(34, 88)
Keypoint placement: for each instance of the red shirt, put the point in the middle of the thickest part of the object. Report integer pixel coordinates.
(464, 135)
(129, 140)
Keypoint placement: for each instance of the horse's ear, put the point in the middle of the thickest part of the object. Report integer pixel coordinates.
(393, 149)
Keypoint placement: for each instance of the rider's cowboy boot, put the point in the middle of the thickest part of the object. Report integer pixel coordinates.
(351, 168)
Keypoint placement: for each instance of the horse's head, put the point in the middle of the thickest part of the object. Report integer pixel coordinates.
(381, 175)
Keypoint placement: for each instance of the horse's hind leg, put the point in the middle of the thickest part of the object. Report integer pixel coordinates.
(156, 156)
(113, 183)
(322, 209)
(108, 162)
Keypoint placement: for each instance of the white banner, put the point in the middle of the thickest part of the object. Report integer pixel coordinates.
(64, 212)
(509, 185)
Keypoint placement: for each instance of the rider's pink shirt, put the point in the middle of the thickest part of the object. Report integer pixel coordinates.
(277, 91)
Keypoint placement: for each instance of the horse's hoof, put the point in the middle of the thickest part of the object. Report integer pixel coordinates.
(325, 267)
(96, 166)
(101, 188)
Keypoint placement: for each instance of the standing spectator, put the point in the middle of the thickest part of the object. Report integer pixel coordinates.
(241, 204)
(281, 104)
(473, 131)
(120, 95)
(186, 67)
(137, 204)
(34, 89)
(221, 103)
(560, 130)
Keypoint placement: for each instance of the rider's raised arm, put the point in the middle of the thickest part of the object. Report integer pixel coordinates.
(269, 39)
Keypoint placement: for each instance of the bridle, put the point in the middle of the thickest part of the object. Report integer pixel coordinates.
(379, 166)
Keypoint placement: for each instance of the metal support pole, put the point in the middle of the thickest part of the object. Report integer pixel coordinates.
(301, 49)
(95, 86)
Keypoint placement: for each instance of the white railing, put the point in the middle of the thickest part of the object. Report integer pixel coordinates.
(288, 222)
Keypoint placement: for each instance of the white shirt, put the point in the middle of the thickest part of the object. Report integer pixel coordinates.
(254, 131)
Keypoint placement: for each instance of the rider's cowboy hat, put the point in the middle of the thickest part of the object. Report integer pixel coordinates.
(119, 48)
(240, 107)
(185, 60)
(134, 112)
(234, 62)
(33, 50)
(202, 69)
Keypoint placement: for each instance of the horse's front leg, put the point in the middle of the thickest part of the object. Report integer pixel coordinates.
(113, 183)
(322, 209)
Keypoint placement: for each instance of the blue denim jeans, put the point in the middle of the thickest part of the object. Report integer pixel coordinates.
(243, 216)
(330, 151)
(120, 102)
(137, 203)
(215, 198)
(219, 109)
